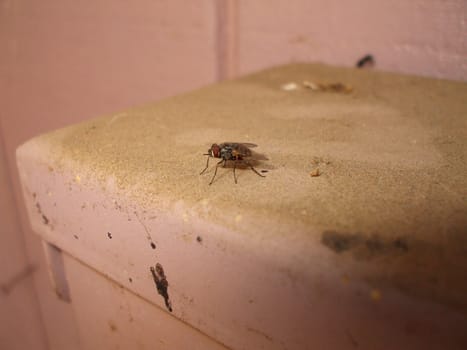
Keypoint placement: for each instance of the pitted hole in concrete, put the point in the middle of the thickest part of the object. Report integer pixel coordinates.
(148, 234)
(112, 326)
(162, 284)
(45, 219)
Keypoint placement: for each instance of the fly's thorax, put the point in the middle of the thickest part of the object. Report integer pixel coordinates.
(226, 153)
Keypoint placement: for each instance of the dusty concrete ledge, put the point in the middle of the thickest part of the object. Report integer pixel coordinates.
(385, 215)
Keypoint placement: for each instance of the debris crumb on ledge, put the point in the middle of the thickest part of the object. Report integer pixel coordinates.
(290, 86)
(315, 173)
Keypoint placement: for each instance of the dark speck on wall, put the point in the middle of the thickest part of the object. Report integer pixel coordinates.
(153, 245)
(199, 239)
(109, 234)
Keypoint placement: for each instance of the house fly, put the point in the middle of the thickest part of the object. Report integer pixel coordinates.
(237, 152)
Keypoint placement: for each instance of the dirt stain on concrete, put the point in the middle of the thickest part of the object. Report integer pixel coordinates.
(418, 268)
(162, 284)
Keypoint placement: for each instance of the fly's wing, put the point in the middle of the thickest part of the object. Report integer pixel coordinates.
(249, 145)
(247, 153)
(257, 156)
(236, 145)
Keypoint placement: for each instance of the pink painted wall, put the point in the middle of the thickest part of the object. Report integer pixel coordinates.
(20, 317)
(416, 37)
(62, 62)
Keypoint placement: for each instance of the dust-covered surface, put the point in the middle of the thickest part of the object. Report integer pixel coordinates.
(390, 192)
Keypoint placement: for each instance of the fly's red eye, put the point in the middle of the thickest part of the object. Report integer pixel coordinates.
(215, 150)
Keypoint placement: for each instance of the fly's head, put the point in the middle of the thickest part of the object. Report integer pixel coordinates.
(215, 151)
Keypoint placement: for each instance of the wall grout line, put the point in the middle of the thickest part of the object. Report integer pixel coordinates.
(226, 38)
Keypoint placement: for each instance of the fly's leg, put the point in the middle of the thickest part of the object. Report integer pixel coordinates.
(215, 171)
(207, 164)
(256, 172)
(236, 159)
(235, 176)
